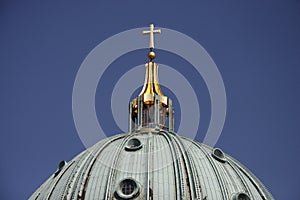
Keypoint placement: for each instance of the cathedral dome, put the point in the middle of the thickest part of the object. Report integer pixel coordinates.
(152, 161)
(152, 165)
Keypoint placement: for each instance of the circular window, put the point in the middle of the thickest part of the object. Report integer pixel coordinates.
(219, 155)
(127, 189)
(133, 144)
(241, 196)
(61, 165)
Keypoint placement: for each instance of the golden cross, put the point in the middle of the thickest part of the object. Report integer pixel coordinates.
(151, 32)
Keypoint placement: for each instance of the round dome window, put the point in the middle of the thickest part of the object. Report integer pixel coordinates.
(61, 165)
(219, 155)
(241, 196)
(127, 189)
(133, 144)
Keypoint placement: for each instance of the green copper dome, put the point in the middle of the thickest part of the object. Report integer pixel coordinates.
(152, 165)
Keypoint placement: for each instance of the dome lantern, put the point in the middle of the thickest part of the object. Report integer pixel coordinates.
(151, 109)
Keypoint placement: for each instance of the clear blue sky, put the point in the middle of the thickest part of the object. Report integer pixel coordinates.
(255, 44)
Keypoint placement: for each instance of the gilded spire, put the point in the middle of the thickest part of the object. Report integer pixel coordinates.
(151, 85)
